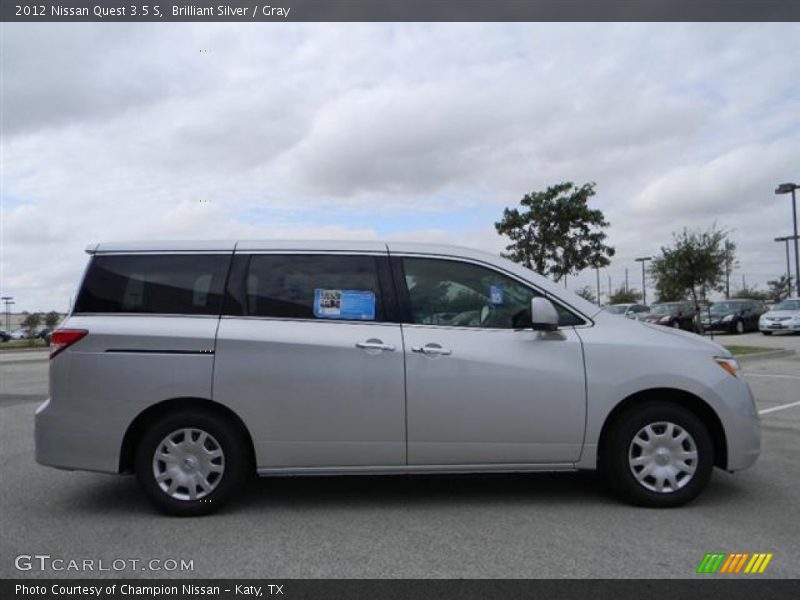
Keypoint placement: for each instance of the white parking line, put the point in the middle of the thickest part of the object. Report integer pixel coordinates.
(781, 407)
(770, 375)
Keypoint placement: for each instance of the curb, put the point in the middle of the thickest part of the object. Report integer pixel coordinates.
(779, 353)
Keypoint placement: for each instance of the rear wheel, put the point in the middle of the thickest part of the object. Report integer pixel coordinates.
(657, 454)
(739, 327)
(191, 463)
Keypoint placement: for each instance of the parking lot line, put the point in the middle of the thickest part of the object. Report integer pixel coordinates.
(771, 375)
(781, 407)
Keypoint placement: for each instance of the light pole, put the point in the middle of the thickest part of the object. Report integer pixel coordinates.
(8, 302)
(785, 239)
(644, 259)
(786, 188)
(597, 272)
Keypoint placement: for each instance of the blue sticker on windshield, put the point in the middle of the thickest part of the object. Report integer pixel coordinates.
(496, 294)
(352, 305)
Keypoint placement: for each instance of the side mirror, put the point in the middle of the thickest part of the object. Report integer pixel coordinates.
(544, 316)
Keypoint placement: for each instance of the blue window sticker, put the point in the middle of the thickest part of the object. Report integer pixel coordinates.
(351, 305)
(496, 294)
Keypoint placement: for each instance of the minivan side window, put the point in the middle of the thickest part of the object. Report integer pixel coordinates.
(459, 294)
(306, 286)
(183, 284)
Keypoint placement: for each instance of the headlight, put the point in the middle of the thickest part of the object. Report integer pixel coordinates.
(664, 320)
(729, 364)
(728, 318)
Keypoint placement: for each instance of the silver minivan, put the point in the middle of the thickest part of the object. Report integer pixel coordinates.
(195, 364)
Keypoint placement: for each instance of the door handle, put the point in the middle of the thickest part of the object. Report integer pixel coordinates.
(373, 344)
(432, 349)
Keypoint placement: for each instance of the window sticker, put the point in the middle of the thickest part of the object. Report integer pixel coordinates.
(496, 294)
(352, 305)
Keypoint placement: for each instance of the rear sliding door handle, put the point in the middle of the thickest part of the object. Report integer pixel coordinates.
(432, 349)
(373, 344)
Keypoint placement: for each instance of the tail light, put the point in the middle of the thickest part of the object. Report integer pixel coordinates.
(61, 339)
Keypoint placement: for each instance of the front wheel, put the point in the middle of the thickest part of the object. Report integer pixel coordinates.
(657, 454)
(191, 463)
(739, 327)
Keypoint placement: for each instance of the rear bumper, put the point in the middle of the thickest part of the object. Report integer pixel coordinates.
(64, 444)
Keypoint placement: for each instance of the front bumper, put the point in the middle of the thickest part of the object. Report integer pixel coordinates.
(741, 423)
(774, 325)
(718, 325)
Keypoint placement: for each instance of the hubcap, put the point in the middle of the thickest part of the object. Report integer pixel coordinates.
(188, 464)
(663, 457)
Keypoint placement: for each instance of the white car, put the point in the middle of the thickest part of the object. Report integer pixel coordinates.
(784, 317)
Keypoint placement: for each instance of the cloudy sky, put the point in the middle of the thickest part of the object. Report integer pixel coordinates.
(399, 131)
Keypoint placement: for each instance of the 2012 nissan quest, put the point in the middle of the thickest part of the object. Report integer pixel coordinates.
(196, 364)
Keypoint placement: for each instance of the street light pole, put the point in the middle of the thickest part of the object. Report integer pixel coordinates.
(785, 239)
(786, 188)
(597, 272)
(8, 302)
(644, 259)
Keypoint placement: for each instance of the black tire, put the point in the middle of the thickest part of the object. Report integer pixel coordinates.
(615, 447)
(767, 332)
(235, 458)
(738, 327)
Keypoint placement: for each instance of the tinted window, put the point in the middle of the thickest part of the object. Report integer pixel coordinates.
(458, 294)
(189, 284)
(307, 287)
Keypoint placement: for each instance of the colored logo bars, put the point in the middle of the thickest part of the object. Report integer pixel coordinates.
(742, 562)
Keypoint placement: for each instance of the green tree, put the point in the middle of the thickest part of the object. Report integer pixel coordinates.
(51, 319)
(695, 261)
(623, 296)
(556, 233)
(751, 293)
(587, 293)
(780, 289)
(31, 323)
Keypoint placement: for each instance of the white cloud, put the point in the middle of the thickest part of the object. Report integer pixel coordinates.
(118, 131)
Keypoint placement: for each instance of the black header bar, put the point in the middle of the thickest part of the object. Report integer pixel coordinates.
(400, 10)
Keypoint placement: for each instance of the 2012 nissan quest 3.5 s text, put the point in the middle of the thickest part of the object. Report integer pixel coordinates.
(196, 364)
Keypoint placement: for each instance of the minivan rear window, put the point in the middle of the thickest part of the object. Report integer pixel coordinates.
(183, 284)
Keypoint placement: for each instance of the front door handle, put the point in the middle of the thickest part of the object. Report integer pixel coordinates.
(375, 344)
(432, 349)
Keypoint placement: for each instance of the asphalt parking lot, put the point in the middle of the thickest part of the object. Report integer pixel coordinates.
(543, 525)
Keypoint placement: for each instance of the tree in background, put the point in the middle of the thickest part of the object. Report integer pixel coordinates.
(52, 319)
(780, 289)
(556, 233)
(751, 293)
(623, 296)
(587, 293)
(696, 261)
(31, 323)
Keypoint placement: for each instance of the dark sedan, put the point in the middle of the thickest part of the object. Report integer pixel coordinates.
(733, 316)
(679, 315)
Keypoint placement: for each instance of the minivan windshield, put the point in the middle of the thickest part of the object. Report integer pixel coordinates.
(665, 309)
(723, 308)
(787, 305)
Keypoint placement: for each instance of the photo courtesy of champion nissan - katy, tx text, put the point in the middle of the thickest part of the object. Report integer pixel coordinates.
(195, 364)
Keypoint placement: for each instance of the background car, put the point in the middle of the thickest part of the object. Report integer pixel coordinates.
(679, 315)
(632, 311)
(4, 336)
(784, 316)
(18, 334)
(733, 316)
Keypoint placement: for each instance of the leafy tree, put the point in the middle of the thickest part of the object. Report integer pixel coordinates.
(694, 262)
(587, 293)
(780, 289)
(623, 296)
(51, 319)
(31, 323)
(556, 233)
